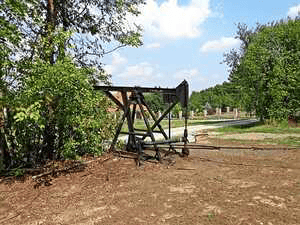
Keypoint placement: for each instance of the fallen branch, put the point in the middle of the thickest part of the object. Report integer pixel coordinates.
(181, 168)
(54, 171)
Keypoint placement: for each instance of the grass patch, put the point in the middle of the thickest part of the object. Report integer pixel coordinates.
(290, 138)
(294, 141)
(260, 127)
(286, 141)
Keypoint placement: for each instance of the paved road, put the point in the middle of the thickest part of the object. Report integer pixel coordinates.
(192, 130)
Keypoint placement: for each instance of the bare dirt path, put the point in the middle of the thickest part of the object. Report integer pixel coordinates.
(210, 187)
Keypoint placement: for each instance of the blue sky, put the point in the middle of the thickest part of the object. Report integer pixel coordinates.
(186, 39)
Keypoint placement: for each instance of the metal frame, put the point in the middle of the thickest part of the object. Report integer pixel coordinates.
(134, 96)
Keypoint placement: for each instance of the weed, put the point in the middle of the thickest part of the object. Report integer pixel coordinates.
(120, 144)
(218, 178)
(210, 215)
(17, 172)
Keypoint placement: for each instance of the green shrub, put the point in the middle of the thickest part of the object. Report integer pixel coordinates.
(57, 114)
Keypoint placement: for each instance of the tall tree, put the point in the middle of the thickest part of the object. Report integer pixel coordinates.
(10, 38)
(233, 57)
(53, 108)
(98, 25)
(268, 71)
(221, 96)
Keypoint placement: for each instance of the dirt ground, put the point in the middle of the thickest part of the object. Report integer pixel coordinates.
(209, 187)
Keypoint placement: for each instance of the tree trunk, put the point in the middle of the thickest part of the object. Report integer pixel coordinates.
(4, 154)
(51, 22)
(5, 159)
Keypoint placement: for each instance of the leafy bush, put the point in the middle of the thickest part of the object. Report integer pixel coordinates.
(57, 115)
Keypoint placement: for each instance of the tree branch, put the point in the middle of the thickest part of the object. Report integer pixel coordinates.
(114, 49)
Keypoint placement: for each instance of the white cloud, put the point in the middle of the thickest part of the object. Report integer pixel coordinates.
(108, 69)
(140, 71)
(124, 74)
(142, 74)
(220, 45)
(117, 59)
(187, 74)
(153, 45)
(170, 20)
(146, 74)
(294, 11)
(118, 63)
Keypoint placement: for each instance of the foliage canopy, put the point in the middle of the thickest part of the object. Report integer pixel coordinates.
(264, 72)
(50, 58)
(268, 74)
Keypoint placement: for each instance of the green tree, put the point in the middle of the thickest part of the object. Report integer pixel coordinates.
(155, 102)
(221, 96)
(59, 98)
(51, 109)
(10, 37)
(268, 72)
(99, 27)
(56, 113)
(177, 108)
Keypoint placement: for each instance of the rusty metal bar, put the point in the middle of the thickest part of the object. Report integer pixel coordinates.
(114, 99)
(155, 120)
(118, 130)
(136, 88)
